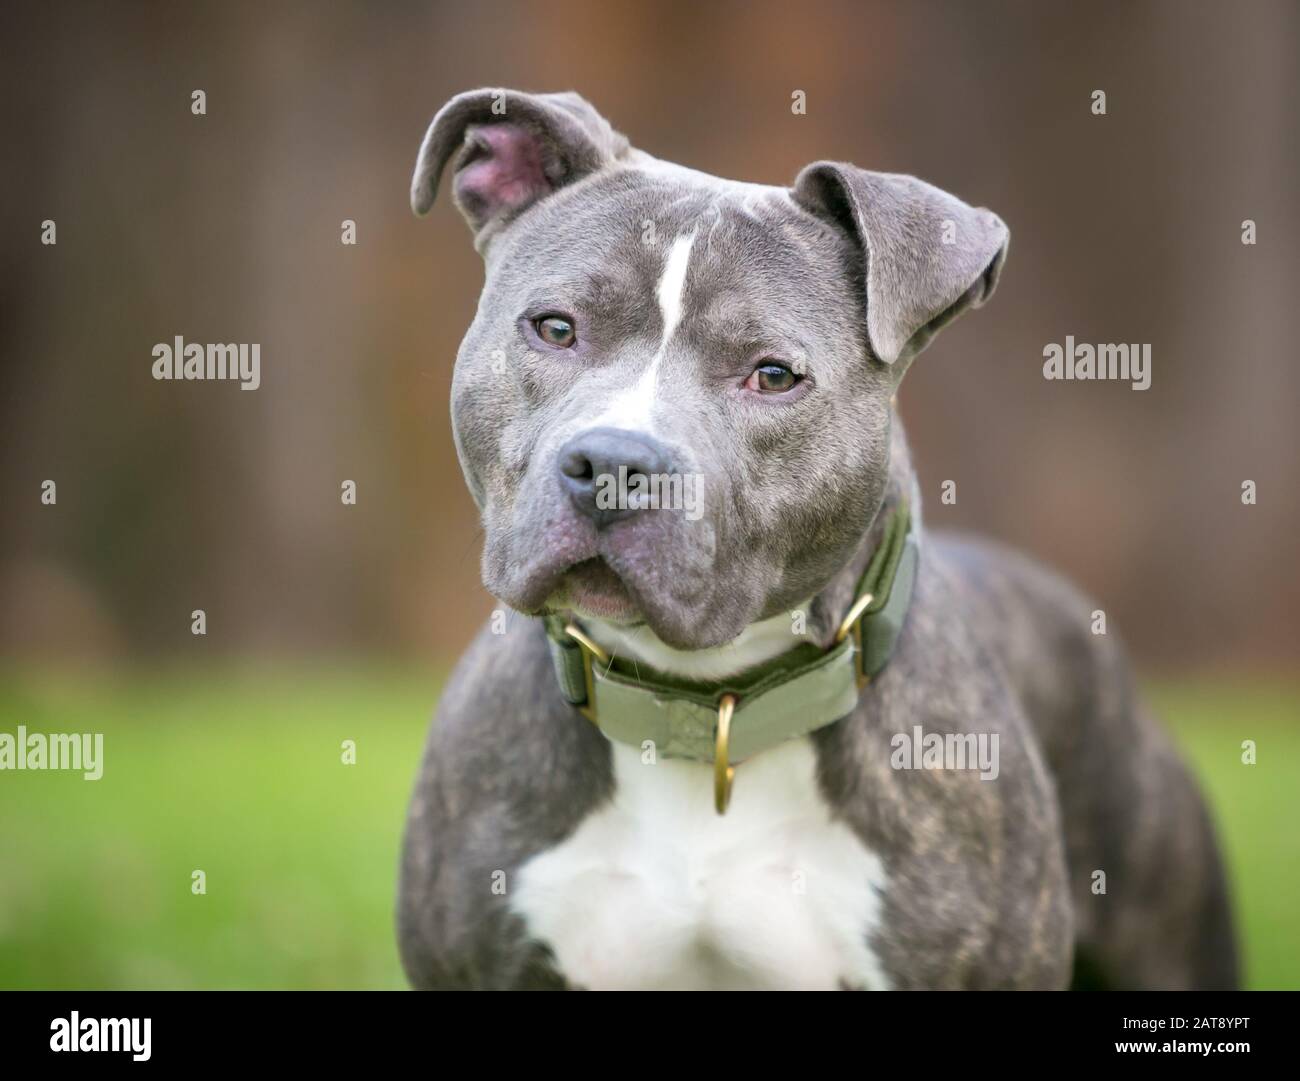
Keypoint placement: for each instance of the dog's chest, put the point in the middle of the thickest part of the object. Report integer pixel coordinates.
(655, 890)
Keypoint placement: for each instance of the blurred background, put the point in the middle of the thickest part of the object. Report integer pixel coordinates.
(328, 622)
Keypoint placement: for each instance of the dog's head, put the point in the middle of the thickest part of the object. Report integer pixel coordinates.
(673, 405)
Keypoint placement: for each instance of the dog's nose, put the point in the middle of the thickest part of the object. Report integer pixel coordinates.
(599, 467)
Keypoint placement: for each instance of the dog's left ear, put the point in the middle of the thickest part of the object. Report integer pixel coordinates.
(929, 256)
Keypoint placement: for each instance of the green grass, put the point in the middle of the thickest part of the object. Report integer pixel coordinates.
(239, 775)
(1257, 809)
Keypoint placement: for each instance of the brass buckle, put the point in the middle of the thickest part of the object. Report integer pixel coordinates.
(851, 624)
(589, 649)
(723, 772)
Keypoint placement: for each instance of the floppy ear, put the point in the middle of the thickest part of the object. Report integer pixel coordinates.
(511, 150)
(929, 256)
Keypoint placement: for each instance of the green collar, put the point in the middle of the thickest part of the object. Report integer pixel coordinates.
(726, 721)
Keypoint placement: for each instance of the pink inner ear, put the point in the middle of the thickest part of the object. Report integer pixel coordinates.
(505, 176)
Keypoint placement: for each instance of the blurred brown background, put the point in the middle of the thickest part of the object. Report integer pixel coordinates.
(226, 227)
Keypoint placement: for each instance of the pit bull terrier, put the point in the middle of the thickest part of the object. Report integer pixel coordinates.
(725, 749)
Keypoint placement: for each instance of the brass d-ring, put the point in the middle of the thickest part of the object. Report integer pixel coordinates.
(723, 772)
(859, 606)
(587, 642)
(589, 649)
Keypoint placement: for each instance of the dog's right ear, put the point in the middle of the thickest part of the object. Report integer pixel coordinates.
(511, 150)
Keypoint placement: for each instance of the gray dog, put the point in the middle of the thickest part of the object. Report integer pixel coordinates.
(755, 729)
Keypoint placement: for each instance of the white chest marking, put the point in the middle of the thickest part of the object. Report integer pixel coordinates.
(633, 408)
(656, 891)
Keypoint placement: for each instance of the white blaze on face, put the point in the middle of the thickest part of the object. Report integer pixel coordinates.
(672, 287)
(632, 409)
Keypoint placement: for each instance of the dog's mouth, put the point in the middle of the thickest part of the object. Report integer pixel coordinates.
(592, 588)
(653, 569)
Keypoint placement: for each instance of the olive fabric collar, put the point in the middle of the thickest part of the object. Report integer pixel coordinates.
(726, 721)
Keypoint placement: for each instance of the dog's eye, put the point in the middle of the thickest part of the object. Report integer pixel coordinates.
(556, 330)
(771, 379)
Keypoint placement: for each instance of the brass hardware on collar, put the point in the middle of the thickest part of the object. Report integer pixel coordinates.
(859, 606)
(723, 772)
(583, 639)
(590, 649)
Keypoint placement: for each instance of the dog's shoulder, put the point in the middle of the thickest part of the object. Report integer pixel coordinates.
(509, 769)
(978, 894)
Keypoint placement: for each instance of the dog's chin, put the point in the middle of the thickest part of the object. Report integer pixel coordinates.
(592, 589)
(622, 587)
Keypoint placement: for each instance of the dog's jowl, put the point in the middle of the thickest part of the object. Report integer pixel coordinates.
(766, 732)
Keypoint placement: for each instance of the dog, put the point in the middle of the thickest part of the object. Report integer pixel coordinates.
(724, 749)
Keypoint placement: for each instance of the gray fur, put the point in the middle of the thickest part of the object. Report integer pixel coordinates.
(847, 274)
